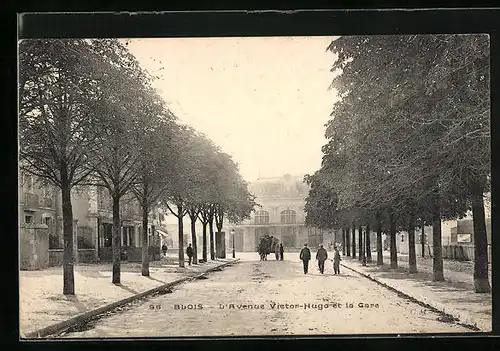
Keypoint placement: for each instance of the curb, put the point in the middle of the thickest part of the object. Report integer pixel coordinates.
(87, 316)
(457, 316)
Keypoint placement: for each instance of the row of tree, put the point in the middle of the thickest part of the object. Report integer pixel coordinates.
(89, 116)
(408, 142)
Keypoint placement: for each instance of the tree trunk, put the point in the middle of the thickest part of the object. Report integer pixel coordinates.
(380, 249)
(353, 241)
(412, 255)
(481, 282)
(204, 241)
(194, 239)
(394, 252)
(116, 240)
(212, 245)
(343, 241)
(422, 240)
(437, 254)
(368, 246)
(180, 222)
(145, 251)
(68, 256)
(360, 243)
(219, 220)
(348, 241)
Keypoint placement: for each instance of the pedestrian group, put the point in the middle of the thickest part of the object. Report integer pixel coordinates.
(321, 257)
(305, 256)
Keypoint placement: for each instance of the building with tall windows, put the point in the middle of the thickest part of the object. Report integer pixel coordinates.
(281, 214)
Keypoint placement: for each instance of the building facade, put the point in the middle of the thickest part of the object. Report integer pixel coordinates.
(37, 202)
(281, 214)
(41, 204)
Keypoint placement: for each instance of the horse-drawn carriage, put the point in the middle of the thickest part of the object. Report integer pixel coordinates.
(268, 244)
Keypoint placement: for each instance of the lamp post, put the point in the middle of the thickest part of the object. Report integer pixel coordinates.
(363, 250)
(232, 233)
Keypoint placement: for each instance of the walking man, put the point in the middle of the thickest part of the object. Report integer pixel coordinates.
(189, 253)
(282, 250)
(305, 256)
(336, 261)
(277, 252)
(164, 248)
(321, 256)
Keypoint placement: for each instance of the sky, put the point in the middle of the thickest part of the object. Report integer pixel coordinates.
(263, 100)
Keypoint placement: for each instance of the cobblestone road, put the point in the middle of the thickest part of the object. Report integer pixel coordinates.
(272, 298)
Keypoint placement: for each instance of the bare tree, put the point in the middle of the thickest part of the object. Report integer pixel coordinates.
(58, 91)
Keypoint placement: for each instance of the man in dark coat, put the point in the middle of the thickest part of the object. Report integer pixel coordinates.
(305, 256)
(164, 248)
(189, 253)
(321, 256)
(282, 250)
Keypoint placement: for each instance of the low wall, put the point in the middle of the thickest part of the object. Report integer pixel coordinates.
(451, 252)
(34, 246)
(84, 256)
(129, 253)
(462, 252)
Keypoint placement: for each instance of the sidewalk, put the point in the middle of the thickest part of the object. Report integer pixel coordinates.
(454, 296)
(41, 302)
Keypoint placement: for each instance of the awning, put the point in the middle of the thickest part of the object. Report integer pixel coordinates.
(162, 233)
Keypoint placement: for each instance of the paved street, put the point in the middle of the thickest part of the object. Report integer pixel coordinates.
(261, 284)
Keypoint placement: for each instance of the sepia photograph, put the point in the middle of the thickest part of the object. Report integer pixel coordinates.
(254, 186)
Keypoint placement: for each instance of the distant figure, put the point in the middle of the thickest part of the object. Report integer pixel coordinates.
(282, 250)
(164, 248)
(189, 253)
(321, 256)
(336, 261)
(305, 256)
(277, 252)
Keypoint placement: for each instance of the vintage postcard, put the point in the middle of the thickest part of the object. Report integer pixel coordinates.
(254, 186)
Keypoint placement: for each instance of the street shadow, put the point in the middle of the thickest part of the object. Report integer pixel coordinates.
(124, 287)
(158, 280)
(476, 298)
(76, 302)
(42, 272)
(343, 275)
(422, 278)
(92, 274)
(63, 299)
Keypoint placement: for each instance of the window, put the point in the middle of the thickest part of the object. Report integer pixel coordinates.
(47, 192)
(108, 234)
(30, 181)
(28, 219)
(130, 235)
(288, 236)
(261, 217)
(100, 198)
(288, 216)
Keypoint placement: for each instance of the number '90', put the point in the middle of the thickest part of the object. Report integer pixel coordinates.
(155, 307)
